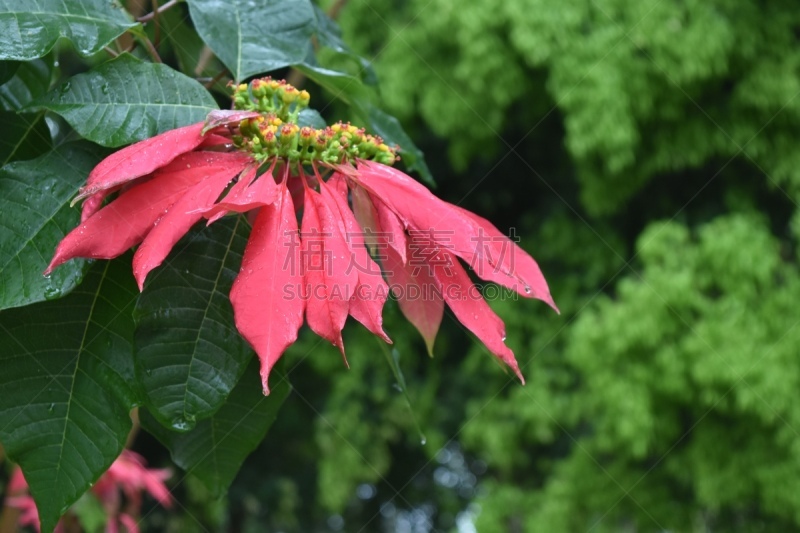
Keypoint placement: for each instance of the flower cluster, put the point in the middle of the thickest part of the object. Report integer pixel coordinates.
(353, 208)
(128, 476)
(274, 132)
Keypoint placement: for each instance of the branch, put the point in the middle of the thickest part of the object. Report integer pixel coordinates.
(151, 16)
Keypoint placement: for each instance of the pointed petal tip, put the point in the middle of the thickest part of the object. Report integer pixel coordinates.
(265, 380)
(515, 367)
(429, 347)
(340, 345)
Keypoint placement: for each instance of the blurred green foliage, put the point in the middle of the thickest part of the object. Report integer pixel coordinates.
(646, 154)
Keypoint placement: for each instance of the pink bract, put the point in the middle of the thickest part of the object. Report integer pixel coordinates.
(329, 266)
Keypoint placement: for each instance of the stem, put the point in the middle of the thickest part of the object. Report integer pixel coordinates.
(156, 11)
(157, 29)
(205, 56)
(215, 79)
(111, 51)
(136, 426)
(336, 8)
(150, 48)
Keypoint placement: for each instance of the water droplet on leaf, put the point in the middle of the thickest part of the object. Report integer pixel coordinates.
(51, 293)
(181, 424)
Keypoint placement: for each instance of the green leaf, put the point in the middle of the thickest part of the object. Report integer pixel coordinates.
(7, 70)
(23, 136)
(392, 132)
(64, 398)
(30, 28)
(329, 35)
(216, 448)
(343, 86)
(189, 355)
(127, 100)
(311, 118)
(189, 49)
(255, 36)
(30, 81)
(34, 200)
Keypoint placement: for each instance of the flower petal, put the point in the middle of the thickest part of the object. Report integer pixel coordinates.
(330, 279)
(381, 226)
(224, 117)
(142, 158)
(93, 204)
(418, 294)
(267, 303)
(128, 219)
(366, 304)
(184, 213)
(250, 192)
(467, 303)
(508, 257)
(447, 225)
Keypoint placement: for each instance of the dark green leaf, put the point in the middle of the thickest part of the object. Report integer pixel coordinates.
(34, 200)
(343, 86)
(30, 81)
(30, 28)
(189, 49)
(127, 100)
(64, 398)
(7, 70)
(311, 118)
(189, 355)
(23, 136)
(216, 448)
(255, 36)
(329, 35)
(392, 132)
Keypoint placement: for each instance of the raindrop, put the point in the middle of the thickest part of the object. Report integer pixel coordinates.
(148, 371)
(51, 293)
(180, 424)
(51, 407)
(423, 441)
(527, 289)
(65, 88)
(104, 88)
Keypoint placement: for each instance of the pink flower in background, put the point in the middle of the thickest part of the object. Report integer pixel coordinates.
(128, 476)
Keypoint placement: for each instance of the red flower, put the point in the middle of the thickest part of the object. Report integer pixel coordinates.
(323, 270)
(127, 475)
